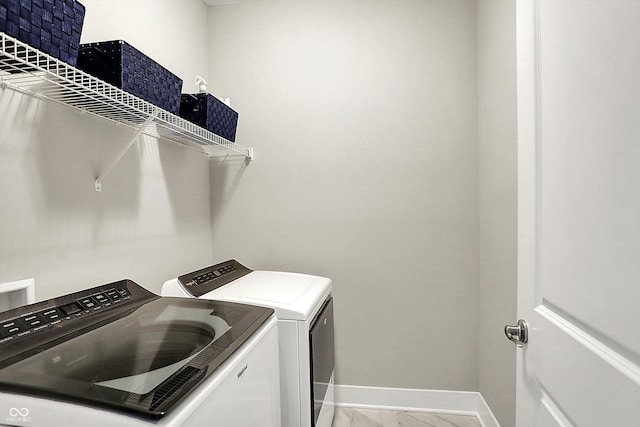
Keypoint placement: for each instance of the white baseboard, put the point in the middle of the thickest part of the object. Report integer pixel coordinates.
(441, 401)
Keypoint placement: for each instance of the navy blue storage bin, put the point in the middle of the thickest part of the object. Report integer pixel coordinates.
(51, 26)
(120, 64)
(207, 111)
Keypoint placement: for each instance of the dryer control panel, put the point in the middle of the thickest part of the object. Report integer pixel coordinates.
(203, 281)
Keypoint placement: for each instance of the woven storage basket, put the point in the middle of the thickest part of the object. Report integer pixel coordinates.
(120, 64)
(51, 26)
(209, 112)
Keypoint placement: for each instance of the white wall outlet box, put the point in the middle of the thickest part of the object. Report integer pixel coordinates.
(18, 293)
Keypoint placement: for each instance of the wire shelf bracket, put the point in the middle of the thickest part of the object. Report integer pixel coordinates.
(140, 131)
(27, 70)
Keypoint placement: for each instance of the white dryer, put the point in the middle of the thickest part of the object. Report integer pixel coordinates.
(304, 307)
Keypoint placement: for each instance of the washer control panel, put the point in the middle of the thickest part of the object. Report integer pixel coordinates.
(203, 281)
(57, 312)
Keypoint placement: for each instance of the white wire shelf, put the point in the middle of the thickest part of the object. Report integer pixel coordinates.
(28, 70)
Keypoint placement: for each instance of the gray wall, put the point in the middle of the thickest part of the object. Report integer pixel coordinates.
(153, 217)
(171, 32)
(497, 164)
(363, 118)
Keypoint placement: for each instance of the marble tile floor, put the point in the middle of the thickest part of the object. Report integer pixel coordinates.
(361, 417)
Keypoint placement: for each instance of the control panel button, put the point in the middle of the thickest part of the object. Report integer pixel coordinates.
(204, 278)
(227, 269)
(32, 320)
(51, 314)
(123, 292)
(12, 327)
(72, 308)
(102, 299)
(87, 303)
(113, 295)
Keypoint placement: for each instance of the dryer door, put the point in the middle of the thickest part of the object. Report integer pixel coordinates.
(322, 357)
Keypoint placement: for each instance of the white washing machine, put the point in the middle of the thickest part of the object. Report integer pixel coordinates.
(304, 307)
(118, 355)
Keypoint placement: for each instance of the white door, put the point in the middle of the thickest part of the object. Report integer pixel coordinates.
(579, 212)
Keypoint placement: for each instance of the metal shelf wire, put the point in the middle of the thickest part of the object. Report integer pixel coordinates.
(28, 70)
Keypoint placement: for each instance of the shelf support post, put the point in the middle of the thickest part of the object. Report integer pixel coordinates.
(143, 126)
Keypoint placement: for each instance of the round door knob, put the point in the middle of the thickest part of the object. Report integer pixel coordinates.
(518, 334)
